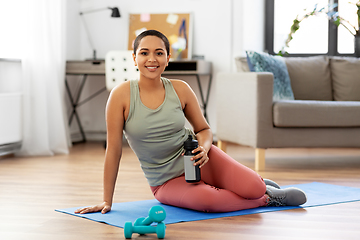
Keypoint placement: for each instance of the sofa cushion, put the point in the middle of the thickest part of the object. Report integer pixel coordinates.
(300, 113)
(263, 62)
(310, 77)
(346, 78)
(241, 64)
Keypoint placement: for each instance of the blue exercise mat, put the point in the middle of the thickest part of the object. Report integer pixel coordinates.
(318, 194)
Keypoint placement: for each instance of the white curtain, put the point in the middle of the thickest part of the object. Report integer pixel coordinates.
(45, 131)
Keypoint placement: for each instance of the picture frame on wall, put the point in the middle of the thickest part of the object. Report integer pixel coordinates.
(177, 27)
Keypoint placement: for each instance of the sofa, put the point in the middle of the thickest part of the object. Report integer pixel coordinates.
(323, 112)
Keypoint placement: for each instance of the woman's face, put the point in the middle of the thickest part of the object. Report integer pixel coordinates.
(151, 57)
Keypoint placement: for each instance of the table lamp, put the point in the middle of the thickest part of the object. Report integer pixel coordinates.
(115, 13)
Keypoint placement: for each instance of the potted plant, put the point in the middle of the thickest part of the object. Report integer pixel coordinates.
(334, 17)
(354, 30)
(296, 25)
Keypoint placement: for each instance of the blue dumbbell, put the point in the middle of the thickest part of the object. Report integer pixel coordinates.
(159, 229)
(157, 214)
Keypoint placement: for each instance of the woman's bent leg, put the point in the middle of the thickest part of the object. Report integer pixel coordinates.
(202, 197)
(224, 172)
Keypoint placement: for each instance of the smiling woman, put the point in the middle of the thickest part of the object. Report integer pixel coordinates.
(151, 112)
(151, 55)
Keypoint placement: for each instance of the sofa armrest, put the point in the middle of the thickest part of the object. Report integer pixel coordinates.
(244, 108)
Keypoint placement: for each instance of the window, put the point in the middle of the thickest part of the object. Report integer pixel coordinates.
(12, 23)
(345, 39)
(316, 34)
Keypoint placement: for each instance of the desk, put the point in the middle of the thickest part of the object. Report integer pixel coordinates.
(194, 68)
(83, 68)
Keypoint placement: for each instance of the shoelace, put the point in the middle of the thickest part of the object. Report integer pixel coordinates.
(275, 202)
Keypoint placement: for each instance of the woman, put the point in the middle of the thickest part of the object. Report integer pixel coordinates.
(151, 112)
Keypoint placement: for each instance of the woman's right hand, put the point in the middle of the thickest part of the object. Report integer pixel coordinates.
(104, 208)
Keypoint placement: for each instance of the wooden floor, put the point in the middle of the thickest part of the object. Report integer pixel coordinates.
(31, 188)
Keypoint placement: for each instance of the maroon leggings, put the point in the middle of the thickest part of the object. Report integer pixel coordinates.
(226, 185)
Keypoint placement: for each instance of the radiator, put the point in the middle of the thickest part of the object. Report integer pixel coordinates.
(10, 122)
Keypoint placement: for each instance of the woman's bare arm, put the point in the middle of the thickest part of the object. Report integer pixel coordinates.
(115, 120)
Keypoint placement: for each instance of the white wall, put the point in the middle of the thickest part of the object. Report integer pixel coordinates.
(10, 105)
(73, 28)
(222, 30)
(248, 27)
(10, 76)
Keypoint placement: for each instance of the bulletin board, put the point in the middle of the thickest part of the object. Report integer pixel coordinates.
(177, 27)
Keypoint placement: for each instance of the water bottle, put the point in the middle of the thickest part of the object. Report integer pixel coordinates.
(192, 173)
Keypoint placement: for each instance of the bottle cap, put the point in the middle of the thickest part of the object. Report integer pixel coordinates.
(190, 143)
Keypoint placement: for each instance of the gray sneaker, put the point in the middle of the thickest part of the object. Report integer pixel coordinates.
(271, 183)
(285, 197)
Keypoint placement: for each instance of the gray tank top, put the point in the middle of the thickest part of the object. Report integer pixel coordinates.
(157, 135)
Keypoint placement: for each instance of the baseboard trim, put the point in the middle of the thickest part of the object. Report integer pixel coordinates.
(90, 136)
(10, 148)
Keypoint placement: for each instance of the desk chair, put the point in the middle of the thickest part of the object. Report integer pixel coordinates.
(119, 67)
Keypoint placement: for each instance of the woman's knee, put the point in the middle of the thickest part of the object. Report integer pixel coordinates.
(255, 188)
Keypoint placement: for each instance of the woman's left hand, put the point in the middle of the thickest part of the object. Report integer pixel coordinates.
(201, 158)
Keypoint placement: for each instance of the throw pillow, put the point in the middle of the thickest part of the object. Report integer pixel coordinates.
(241, 64)
(345, 75)
(310, 77)
(263, 62)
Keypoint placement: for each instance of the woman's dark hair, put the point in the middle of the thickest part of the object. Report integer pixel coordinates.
(152, 33)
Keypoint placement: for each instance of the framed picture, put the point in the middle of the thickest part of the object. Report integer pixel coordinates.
(177, 27)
